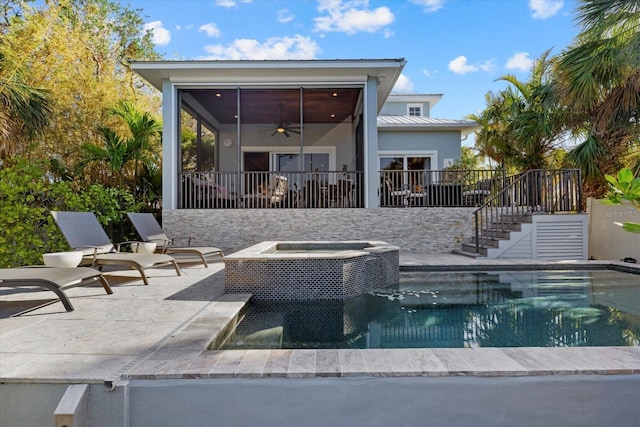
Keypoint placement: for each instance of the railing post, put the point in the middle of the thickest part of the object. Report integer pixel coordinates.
(475, 214)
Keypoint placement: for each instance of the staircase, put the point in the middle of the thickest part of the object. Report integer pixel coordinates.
(513, 210)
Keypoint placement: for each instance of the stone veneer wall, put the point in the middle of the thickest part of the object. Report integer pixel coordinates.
(416, 230)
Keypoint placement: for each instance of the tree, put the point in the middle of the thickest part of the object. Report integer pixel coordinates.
(24, 110)
(77, 51)
(523, 124)
(124, 155)
(598, 77)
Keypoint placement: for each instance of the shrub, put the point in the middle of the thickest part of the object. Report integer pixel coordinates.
(27, 196)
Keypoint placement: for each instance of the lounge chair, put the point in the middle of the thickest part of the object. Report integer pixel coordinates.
(84, 233)
(150, 231)
(52, 278)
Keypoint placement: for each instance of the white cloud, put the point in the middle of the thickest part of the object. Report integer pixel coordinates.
(488, 66)
(351, 16)
(403, 85)
(296, 47)
(210, 29)
(543, 9)
(460, 66)
(429, 73)
(159, 35)
(519, 61)
(429, 6)
(230, 3)
(284, 16)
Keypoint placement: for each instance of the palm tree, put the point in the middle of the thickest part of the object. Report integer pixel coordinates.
(599, 79)
(118, 152)
(24, 110)
(523, 124)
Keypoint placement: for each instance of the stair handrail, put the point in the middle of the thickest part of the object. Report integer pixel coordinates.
(536, 190)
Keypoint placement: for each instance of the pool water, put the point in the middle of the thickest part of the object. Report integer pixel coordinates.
(458, 309)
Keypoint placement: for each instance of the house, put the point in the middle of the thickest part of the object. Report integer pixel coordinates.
(320, 149)
(326, 127)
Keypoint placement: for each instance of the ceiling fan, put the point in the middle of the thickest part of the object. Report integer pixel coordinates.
(281, 127)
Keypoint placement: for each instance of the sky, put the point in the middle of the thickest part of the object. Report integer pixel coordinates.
(457, 48)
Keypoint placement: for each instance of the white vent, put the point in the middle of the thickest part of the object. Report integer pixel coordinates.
(560, 240)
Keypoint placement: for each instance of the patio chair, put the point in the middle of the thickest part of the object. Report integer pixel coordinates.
(84, 233)
(150, 231)
(278, 188)
(54, 279)
(480, 191)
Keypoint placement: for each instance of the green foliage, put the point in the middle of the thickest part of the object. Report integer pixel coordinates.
(27, 196)
(625, 186)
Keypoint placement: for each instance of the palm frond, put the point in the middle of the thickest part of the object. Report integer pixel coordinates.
(586, 155)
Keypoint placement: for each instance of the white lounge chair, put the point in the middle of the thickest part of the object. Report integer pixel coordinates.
(150, 231)
(84, 233)
(54, 279)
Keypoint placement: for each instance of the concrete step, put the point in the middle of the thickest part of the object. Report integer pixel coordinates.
(489, 243)
(471, 248)
(498, 234)
(468, 254)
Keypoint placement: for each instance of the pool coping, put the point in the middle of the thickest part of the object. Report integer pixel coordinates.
(266, 250)
(173, 362)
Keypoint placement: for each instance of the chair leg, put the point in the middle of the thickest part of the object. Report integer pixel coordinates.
(104, 284)
(175, 265)
(204, 260)
(63, 297)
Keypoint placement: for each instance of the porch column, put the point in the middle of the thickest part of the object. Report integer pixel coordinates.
(371, 199)
(170, 149)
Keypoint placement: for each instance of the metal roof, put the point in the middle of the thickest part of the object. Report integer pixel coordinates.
(422, 123)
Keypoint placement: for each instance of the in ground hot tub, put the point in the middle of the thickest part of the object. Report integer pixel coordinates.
(311, 270)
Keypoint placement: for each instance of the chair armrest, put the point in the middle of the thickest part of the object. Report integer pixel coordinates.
(95, 252)
(161, 243)
(187, 238)
(128, 242)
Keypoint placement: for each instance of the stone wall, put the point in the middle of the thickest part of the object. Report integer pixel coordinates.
(414, 230)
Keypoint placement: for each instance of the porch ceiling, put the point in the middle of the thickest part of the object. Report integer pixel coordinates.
(279, 105)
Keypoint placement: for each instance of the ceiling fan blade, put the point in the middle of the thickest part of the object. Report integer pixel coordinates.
(286, 134)
(274, 132)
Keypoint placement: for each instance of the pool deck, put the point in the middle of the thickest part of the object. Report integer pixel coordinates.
(161, 331)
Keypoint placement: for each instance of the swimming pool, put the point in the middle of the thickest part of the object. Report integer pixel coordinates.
(429, 309)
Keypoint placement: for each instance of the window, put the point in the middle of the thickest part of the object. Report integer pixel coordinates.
(406, 171)
(414, 110)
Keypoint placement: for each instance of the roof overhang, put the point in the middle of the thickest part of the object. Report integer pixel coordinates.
(417, 124)
(273, 73)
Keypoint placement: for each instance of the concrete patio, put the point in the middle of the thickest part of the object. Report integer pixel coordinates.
(146, 338)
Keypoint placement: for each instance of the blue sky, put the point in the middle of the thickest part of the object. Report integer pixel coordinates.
(457, 48)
